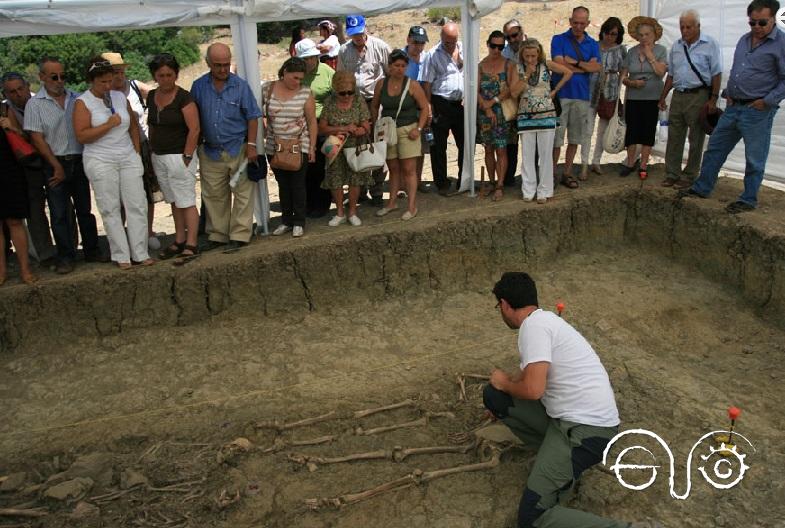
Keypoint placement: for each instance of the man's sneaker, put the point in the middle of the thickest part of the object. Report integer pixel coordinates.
(281, 229)
(297, 232)
(684, 193)
(355, 221)
(336, 220)
(739, 207)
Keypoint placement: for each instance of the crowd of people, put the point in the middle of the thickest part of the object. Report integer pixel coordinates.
(129, 141)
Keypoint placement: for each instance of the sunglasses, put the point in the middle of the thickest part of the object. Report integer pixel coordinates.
(763, 22)
(496, 46)
(57, 77)
(102, 64)
(346, 93)
(513, 35)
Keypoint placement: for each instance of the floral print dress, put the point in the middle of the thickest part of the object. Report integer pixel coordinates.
(338, 173)
(490, 87)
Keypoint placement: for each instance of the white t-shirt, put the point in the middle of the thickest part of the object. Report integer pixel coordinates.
(116, 144)
(577, 388)
(332, 41)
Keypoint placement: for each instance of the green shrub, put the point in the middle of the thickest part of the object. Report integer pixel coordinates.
(437, 13)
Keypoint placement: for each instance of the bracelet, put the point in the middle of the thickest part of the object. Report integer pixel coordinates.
(251, 144)
(496, 98)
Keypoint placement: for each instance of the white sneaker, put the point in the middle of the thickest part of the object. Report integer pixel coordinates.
(408, 215)
(336, 220)
(153, 243)
(297, 232)
(355, 220)
(281, 229)
(384, 211)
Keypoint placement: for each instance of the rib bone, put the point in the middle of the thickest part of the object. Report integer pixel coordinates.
(277, 425)
(369, 412)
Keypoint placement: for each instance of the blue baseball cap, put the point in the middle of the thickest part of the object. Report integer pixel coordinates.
(355, 24)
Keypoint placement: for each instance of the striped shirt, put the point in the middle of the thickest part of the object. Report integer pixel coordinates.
(445, 76)
(45, 115)
(368, 66)
(286, 119)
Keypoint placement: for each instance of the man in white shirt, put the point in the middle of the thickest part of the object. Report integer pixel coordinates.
(560, 402)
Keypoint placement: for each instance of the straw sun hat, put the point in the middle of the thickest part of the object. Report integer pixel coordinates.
(632, 26)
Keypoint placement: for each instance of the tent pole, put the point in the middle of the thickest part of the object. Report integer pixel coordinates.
(470, 29)
(244, 40)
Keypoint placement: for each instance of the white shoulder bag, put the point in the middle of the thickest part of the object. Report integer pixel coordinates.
(385, 128)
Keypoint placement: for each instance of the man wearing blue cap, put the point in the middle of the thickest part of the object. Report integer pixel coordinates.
(365, 56)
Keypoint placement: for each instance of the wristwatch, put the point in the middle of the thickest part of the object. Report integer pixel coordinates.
(187, 157)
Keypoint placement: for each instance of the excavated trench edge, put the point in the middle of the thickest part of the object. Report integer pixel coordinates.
(430, 257)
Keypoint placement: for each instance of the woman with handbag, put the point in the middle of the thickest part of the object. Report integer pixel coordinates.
(404, 102)
(173, 126)
(495, 75)
(14, 208)
(346, 115)
(604, 90)
(290, 142)
(644, 67)
(537, 119)
(104, 124)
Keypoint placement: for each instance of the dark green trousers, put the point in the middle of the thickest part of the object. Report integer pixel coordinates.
(564, 451)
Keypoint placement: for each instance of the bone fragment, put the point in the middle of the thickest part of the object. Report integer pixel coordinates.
(369, 412)
(277, 425)
(13, 512)
(387, 428)
(224, 499)
(462, 388)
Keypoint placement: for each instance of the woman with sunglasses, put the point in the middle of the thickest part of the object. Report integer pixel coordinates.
(604, 89)
(495, 75)
(346, 115)
(173, 127)
(410, 116)
(103, 123)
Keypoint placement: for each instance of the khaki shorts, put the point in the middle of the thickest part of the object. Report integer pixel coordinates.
(406, 148)
(574, 119)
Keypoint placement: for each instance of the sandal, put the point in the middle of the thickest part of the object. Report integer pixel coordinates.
(569, 182)
(147, 262)
(670, 182)
(643, 173)
(498, 194)
(28, 278)
(171, 251)
(125, 266)
(193, 251)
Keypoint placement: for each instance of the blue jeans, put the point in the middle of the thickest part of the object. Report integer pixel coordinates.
(738, 122)
(75, 187)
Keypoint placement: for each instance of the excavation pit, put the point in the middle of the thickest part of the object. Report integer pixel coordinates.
(161, 367)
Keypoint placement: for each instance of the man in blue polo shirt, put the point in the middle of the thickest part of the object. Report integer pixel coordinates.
(581, 54)
(756, 85)
(229, 117)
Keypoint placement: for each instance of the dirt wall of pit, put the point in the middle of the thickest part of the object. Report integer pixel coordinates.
(431, 256)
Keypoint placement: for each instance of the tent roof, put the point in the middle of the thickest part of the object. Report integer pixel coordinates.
(48, 17)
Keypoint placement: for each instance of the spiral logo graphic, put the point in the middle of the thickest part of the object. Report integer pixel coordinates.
(720, 475)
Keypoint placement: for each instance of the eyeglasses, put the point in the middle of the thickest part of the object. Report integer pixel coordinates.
(346, 93)
(512, 36)
(762, 22)
(57, 77)
(496, 46)
(102, 64)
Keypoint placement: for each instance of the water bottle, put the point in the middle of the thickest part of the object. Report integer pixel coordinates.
(663, 136)
(428, 133)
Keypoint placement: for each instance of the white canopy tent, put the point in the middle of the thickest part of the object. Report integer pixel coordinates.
(726, 21)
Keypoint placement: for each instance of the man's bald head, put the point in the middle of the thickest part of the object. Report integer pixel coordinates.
(450, 29)
(219, 59)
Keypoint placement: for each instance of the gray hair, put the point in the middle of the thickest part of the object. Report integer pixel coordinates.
(46, 59)
(691, 13)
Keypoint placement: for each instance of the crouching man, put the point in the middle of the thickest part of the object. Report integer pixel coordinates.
(560, 403)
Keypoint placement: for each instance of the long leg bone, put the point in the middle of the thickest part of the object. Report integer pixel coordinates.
(369, 412)
(387, 428)
(397, 454)
(277, 425)
(281, 444)
(416, 477)
(11, 512)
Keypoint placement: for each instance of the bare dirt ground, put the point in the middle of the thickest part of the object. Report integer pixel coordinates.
(116, 419)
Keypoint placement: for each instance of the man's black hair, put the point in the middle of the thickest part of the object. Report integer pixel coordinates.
(517, 288)
(757, 5)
